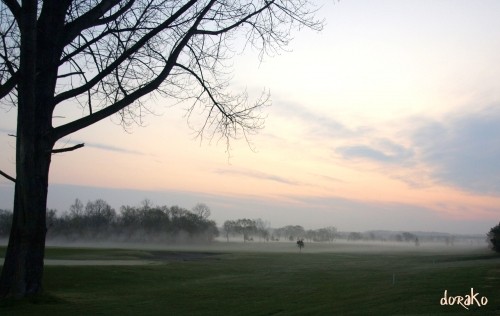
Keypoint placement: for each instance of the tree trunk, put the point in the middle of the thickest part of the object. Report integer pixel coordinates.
(23, 266)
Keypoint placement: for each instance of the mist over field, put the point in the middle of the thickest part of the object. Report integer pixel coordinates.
(247, 267)
(340, 246)
(148, 226)
(463, 245)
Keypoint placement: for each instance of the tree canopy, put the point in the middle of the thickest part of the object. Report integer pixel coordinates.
(109, 57)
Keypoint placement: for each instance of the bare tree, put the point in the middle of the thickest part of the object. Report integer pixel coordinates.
(202, 210)
(246, 227)
(229, 228)
(262, 229)
(108, 56)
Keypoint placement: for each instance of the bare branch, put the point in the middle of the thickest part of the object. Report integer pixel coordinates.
(8, 85)
(82, 48)
(115, 15)
(80, 71)
(69, 74)
(14, 7)
(235, 25)
(111, 67)
(7, 176)
(127, 50)
(89, 19)
(88, 120)
(63, 150)
(207, 90)
(5, 56)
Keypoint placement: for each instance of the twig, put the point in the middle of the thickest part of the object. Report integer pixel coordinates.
(62, 150)
(7, 176)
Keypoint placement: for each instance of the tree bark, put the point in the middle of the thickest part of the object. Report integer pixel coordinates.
(23, 266)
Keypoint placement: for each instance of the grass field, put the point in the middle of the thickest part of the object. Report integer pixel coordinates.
(225, 281)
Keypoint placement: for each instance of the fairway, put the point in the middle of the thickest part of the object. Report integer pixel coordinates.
(321, 280)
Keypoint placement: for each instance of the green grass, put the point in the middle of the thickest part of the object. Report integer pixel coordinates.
(265, 283)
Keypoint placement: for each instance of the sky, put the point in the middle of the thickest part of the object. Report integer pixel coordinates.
(389, 118)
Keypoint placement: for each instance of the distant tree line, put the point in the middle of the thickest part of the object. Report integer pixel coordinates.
(97, 220)
(412, 238)
(252, 229)
(248, 229)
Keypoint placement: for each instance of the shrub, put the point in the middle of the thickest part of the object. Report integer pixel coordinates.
(494, 238)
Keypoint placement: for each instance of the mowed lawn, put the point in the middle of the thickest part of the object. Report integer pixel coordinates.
(264, 283)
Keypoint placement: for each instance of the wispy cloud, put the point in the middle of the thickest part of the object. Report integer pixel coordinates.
(103, 147)
(463, 150)
(69, 143)
(114, 148)
(257, 175)
(317, 124)
(383, 150)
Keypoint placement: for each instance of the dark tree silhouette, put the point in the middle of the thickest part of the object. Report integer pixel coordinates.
(494, 238)
(98, 221)
(108, 55)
